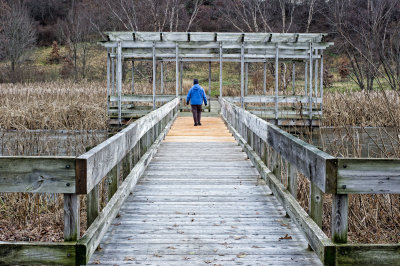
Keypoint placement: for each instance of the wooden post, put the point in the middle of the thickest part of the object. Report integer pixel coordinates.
(242, 75)
(276, 81)
(292, 180)
(294, 78)
(246, 79)
(113, 180)
(209, 80)
(154, 75)
(177, 70)
(162, 77)
(108, 79)
(321, 82)
(305, 78)
(119, 82)
(112, 73)
(265, 78)
(276, 165)
(316, 76)
(133, 76)
(316, 204)
(340, 204)
(311, 83)
(92, 205)
(220, 69)
(126, 165)
(71, 217)
(181, 77)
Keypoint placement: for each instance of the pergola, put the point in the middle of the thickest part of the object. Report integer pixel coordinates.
(220, 47)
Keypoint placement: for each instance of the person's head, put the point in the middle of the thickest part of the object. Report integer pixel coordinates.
(195, 81)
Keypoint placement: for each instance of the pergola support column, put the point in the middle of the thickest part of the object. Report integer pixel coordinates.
(311, 82)
(321, 82)
(162, 77)
(108, 79)
(133, 76)
(209, 80)
(265, 78)
(154, 75)
(220, 69)
(242, 75)
(119, 81)
(177, 71)
(276, 80)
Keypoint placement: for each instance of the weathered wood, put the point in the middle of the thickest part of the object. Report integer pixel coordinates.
(311, 80)
(161, 77)
(28, 253)
(71, 217)
(368, 254)
(96, 163)
(119, 80)
(113, 180)
(340, 205)
(92, 205)
(220, 69)
(315, 164)
(231, 216)
(108, 78)
(241, 75)
(276, 80)
(319, 242)
(133, 77)
(37, 174)
(154, 75)
(176, 70)
(316, 201)
(271, 99)
(265, 78)
(94, 234)
(292, 180)
(368, 176)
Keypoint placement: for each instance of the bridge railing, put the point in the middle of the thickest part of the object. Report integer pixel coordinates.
(271, 149)
(121, 159)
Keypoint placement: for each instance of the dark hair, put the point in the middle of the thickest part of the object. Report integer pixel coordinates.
(195, 81)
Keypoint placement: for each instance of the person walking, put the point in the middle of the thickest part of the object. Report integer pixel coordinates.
(195, 96)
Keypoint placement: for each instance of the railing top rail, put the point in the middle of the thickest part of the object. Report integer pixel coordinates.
(92, 166)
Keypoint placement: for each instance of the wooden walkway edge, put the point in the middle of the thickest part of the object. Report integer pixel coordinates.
(200, 201)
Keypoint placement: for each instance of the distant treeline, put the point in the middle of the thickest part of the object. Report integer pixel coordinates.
(367, 32)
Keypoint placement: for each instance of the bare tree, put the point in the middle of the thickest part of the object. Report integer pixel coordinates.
(17, 34)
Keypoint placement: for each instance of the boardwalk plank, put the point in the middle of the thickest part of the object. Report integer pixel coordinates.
(199, 202)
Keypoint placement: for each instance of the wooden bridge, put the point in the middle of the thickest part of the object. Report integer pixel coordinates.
(222, 193)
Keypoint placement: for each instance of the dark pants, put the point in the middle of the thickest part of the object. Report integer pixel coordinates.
(196, 110)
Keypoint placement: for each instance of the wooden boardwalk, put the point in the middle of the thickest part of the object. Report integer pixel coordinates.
(201, 201)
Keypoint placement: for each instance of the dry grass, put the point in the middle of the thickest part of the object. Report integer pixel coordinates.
(62, 105)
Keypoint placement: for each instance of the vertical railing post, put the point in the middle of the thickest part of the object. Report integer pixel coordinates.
(321, 82)
(71, 217)
(340, 205)
(92, 205)
(265, 78)
(316, 203)
(294, 78)
(292, 180)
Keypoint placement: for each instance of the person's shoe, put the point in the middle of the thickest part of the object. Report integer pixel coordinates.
(199, 124)
(195, 125)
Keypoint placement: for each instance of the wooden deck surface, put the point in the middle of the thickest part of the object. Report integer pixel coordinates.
(200, 202)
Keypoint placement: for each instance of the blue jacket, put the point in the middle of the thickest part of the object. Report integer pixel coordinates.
(196, 95)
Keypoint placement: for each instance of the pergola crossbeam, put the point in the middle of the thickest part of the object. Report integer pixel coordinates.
(219, 47)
